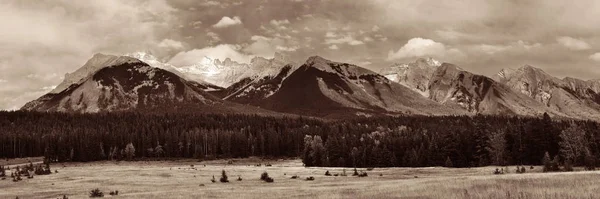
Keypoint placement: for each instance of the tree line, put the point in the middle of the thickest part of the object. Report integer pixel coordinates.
(406, 141)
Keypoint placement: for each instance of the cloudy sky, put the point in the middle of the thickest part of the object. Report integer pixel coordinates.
(41, 40)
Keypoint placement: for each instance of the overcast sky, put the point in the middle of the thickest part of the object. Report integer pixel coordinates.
(41, 40)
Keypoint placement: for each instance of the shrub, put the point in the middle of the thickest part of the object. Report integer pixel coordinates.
(114, 193)
(363, 174)
(327, 173)
(295, 177)
(264, 176)
(96, 193)
(520, 169)
(268, 165)
(497, 172)
(2, 171)
(269, 179)
(239, 178)
(213, 179)
(355, 172)
(336, 174)
(370, 169)
(223, 177)
(310, 178)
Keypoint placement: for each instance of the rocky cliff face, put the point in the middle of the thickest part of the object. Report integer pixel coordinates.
(574, 97)
(415, 75)
(454, 86)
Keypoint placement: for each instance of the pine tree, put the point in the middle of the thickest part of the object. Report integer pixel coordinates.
(129, 151)
(448, 162)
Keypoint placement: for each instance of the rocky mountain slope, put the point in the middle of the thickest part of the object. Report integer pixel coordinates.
(256, 87)
(124, 86)
(325, 88)
(574, 97)
(413, 75)
(453, 86)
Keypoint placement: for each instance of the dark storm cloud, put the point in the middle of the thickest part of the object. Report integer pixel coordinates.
(51, 37)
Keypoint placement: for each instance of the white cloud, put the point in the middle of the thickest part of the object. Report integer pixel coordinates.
(595, 57)
(344, 40)
(196, 24)
(170, 44)
(572, 43)
(287, 49)
(493, 49)
(266, 46)
(279, 22)
(211, 3)
(375, 28)
(227, 21)
(334, 47)
(214, 37)
(418, 47)
(330, 34)
(221, 52)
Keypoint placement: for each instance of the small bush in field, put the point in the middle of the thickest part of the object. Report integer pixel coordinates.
(363, 174)
(355, 172)
(269, 179)
(327, 173)
(310, 178)
(295, 177)
(96, 193)
(213, 179)
(114, 193)
(224, 178)
(265, 177)
(239, 178)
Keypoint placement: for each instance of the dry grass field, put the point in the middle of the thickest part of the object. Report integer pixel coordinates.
(177, 179)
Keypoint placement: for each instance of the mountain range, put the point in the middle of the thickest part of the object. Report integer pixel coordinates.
(318, 87)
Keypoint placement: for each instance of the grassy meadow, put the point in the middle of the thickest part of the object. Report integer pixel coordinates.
(178, 179)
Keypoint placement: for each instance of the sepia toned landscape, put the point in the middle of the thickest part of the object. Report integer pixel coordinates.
(299, 99)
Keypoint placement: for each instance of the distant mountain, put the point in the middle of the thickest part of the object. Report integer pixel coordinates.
(330, 89)
(124, 85)
(226, 73)
(258, 86)
(453, 86)
(574, 97)
(128, 84)
(97, 62)
(154, 62)
(413, 75)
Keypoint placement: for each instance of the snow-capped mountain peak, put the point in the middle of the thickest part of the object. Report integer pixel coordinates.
(414, 75)
(97, 62)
